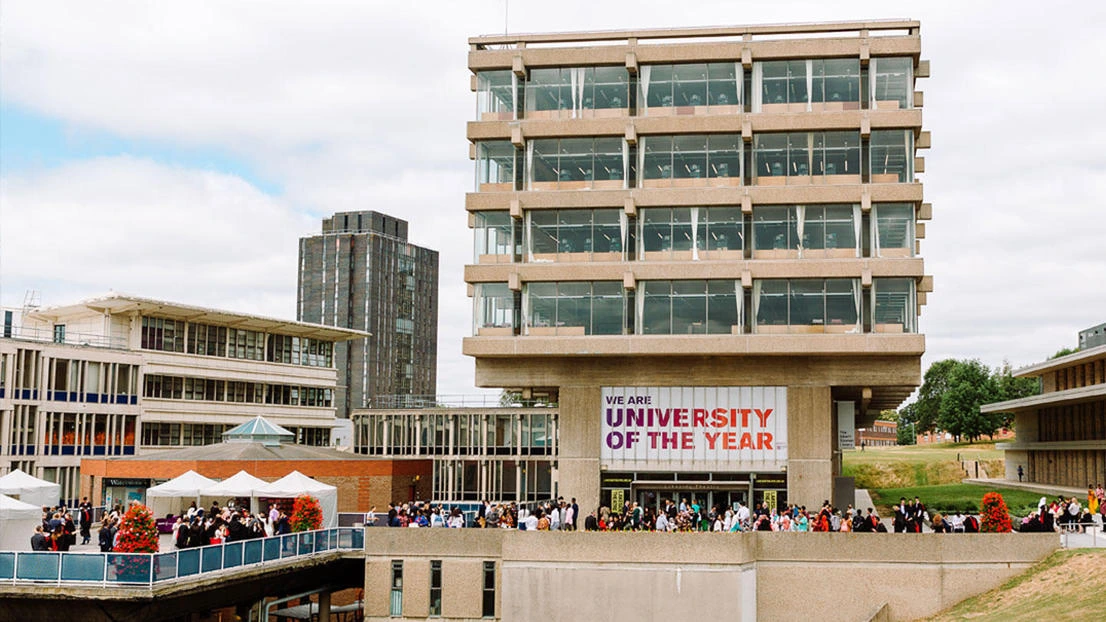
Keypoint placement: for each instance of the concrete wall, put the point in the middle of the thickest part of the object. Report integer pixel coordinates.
(649, 576)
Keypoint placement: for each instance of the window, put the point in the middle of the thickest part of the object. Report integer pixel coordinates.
(690, 89)
(162, 334)
(690, 308)
(495, 313)
(574, 308)
(207, 340)
(801, 158)
(577, 92)
(690, 161)
(894, 309)
(245, 344)
(892, 155)
(435, 588)
(892, 230)
(892, 83)
(488, 608)
(494, 241)
(782, 86)
(495, 166)
(59, 333)
(835, 84)
(496, 95)
(396, 608)
(829, 230)
(575, 235)
(690, 233)
(577, 163)
(807, 305)
(775, 232)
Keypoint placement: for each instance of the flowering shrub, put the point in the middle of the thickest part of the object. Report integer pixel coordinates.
(994, 518)
(137, 531)
(307, 515)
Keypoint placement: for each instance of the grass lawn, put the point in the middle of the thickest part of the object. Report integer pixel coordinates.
(924, 453)
(917, 465)
(1069, 585)
(954, 497)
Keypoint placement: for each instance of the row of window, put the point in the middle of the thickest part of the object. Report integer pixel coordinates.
(695, 233)
(696, 307)
(456, 434)
(395, 599)
(217, 390)
(696, 161)
(161, 434)
(194, 338)
(819, 85)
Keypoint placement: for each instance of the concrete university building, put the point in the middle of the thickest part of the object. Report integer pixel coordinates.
(703, 245)
(1061, 433)
(125, 376)
(362, 273)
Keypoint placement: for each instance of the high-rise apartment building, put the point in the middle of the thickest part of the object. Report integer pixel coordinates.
(702, 244)
(362, 273)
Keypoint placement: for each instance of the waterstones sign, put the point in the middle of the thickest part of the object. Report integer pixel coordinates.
(738, 427)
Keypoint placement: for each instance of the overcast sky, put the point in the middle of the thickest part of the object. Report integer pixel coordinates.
(178, 150)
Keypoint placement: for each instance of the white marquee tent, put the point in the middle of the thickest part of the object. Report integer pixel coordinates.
(295, 484)
(17, 523)
(241, 484)
(173, 496)
(30, 489)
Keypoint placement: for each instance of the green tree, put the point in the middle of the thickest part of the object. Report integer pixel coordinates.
(1011, 388)
(936, 382)
(1063, 352)
(969, 386)
(907, 424)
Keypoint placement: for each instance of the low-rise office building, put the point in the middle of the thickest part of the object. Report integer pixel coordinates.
(1060, 433)
(880, 434)
(123, 375)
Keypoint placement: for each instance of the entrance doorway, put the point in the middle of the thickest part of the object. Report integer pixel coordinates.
(725, 495)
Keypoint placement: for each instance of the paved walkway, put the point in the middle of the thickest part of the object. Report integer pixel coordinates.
(1047, 490)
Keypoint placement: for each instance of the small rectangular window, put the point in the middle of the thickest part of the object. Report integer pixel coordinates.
(436, 587)
(397, 588)
(488, 610)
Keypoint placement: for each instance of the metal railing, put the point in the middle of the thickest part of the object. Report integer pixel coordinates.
(150, 569)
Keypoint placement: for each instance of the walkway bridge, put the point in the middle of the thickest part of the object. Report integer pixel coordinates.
(172, 586)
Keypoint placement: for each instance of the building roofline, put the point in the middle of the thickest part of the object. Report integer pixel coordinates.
(1043, 367)
(117, 303)
(1053, 398)
(698, 32)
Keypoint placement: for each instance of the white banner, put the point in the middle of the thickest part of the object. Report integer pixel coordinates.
(689, 428)
(846, 425)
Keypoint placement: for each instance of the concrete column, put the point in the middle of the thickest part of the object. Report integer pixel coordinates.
(578, 456)
(324, 606)
(810, 445)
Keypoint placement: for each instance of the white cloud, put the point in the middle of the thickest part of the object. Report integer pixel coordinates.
(363, 105)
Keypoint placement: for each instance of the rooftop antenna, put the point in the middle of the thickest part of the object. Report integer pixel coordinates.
(32, 300)
(506, 12)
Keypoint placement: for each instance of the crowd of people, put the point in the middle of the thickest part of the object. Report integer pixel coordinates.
(1068, 514)
(58, 531)
(227, 524)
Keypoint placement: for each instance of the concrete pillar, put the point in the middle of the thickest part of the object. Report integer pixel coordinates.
(810, 445)
(324, 606)
(578, 459)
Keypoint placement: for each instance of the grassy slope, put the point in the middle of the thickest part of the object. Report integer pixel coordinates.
(1069, 585)
(964, 497)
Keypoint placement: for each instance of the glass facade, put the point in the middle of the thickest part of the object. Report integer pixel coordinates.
(800, 158)
(577, 93)
(690, 307)
(893, 230)
(690, 161)
(494, 237)
(894, 308)
(495, 166)
(496, 95)
(575, 235)
(574, 308)
(892, 82)
(692, 88)
(690, 233)
(892, 156)
(807, 306)
(577, 163)
(496, 312)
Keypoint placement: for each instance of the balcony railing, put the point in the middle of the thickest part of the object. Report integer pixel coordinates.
(150, 569)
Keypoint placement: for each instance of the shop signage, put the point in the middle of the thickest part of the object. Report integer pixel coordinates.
(690, 426)
(126, 482)
(778, 480)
